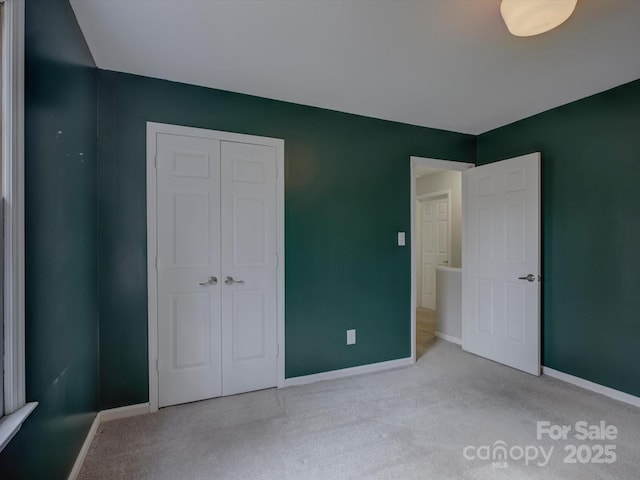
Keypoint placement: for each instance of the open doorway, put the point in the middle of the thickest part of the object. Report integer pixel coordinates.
(488, 298)
(437, 225)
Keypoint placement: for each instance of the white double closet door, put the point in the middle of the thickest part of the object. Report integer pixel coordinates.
(217, 262)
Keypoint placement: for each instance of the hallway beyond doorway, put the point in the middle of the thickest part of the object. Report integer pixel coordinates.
(425, 330)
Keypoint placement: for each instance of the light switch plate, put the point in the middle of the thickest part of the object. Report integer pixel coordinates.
(351, 337)
(401, 239)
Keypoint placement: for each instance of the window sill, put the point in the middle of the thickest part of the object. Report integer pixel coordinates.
(10, 424)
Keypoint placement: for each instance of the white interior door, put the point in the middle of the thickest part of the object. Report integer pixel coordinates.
(501, 282)
(189, 350)
(435, 246)
(249, 263)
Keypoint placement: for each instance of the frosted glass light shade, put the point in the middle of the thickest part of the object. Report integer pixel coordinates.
(525, 18)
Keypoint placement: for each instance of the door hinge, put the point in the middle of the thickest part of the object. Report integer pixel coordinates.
(277, 350)
(277, 260)
(157, 367)
(155, 162)
(156, 262)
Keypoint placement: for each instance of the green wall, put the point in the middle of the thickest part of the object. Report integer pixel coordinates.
(60, 257)
(347, 191)
(346, 196)
(591, 223)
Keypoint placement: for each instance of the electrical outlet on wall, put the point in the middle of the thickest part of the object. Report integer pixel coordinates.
(351, 337)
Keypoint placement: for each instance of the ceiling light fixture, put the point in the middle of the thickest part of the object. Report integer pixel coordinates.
(525, 18)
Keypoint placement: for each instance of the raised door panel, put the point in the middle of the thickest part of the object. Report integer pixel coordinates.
(249, 325)
(191, 330)
(249, 230)
(190, 212)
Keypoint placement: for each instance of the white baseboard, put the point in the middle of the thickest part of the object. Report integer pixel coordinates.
(124, 412)
(104, 416)
(348, 372)
(75, 471)
(594, 387)
(449, 338)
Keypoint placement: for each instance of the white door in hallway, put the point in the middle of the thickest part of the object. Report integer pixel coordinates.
(435, 246)
(216, 207)
(501, 264)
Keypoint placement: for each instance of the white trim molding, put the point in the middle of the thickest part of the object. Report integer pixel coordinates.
(449, 338)
(14, 411)
(593, 387)
(153, 129)
(124, 412)
(101, 417)
(10, 424)
(348, 372)
(13, 192)
(432, 163)
(82, 454)
(430, 196)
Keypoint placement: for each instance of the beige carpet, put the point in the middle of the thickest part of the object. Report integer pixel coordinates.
(409, 423)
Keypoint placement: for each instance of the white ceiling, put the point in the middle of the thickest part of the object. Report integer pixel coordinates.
(448, 64)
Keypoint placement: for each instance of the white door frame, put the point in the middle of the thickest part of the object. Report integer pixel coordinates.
(426, 197)
(153, 129)
(432, 163)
